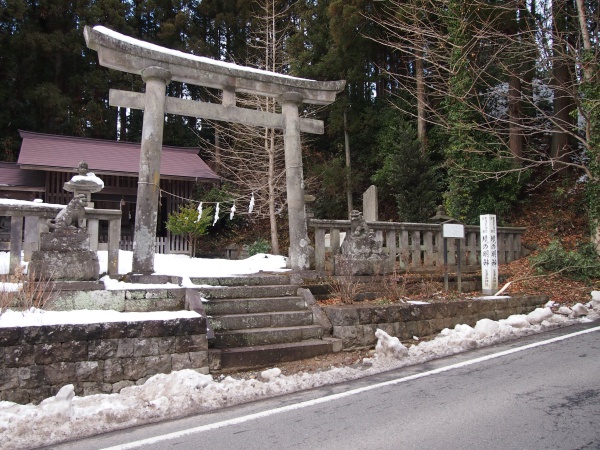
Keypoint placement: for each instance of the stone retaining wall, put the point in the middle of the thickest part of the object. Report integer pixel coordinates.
(355, 324)
(35, 362)
(132, 300)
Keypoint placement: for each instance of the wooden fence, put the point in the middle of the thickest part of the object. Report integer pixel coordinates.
(415, 247)
(165, 245)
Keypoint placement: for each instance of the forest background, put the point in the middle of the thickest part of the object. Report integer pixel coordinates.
(468, 103)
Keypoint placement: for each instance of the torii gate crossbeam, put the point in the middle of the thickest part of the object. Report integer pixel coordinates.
(158, 66)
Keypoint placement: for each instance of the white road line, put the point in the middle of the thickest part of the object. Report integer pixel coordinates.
(329, 398)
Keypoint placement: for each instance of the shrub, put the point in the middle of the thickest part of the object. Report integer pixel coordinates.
(582, 264)
(186, 223)
(259, 246)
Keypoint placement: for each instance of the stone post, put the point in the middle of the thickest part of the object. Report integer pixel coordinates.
(146, 212)
(114, 234)
(31, 238)
(93, 226)
(489, 254)
(370, 204)
(16, 243)
(299, 243)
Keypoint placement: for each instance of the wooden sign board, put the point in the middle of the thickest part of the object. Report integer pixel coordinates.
(453, 230)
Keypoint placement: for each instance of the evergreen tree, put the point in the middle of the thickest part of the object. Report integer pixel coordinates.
(332, 42)
(52, 82)
(473, 188)
(186, 223)
(407, 174)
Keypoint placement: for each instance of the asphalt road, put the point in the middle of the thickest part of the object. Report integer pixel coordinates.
(540, 392)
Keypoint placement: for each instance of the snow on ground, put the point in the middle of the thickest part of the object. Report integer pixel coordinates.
(186, 267)
(162, 397)
(38, 317)
(183, 265)
(178, 265)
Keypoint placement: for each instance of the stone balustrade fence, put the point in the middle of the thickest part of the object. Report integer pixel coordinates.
(28, 220)
(416, 247)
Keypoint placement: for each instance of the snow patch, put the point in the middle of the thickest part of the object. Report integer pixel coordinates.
(579, 310)
(270, 374)
(162, 397)
(486, 327)
(595, 303)
(389, 346)
(538, 315)
(564, 310)
(89, 177)
(517, 321)
(38, 317)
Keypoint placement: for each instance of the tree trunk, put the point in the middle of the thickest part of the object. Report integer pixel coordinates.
(515, 138)
(585, 35)
(421, 99)
(588, 74)
(563, 107)
(562, 82)
(270, 148)
(123, 124)
(587, 66)
(348, 166)
(217, 161)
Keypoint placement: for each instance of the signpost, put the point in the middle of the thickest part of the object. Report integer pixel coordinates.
(489, 254)
(456, 231)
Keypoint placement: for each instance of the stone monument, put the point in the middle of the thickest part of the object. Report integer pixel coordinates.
(64, 253)
(371, 204)
(361, 252)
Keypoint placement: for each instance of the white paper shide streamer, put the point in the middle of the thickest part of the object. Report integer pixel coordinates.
(216, 215)
(199, 212)
(232, 212)
(251, 207)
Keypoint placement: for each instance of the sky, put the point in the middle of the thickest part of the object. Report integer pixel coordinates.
(167, 396)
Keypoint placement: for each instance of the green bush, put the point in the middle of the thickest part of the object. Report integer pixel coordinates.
(259, 246)
(186, 223)
(582, 264)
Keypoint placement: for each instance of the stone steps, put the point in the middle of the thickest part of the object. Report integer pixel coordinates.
(253, 280)
(265, 355)
(266, 336)
(226, 306)
(259, 320)
(259, 291)
(262, 320)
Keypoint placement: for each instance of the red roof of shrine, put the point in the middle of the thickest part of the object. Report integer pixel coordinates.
(64, 153)
(12, 175)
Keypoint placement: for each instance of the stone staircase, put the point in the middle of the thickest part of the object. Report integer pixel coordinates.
(259, 321)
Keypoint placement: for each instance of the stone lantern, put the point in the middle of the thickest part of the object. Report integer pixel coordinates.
(84, 183)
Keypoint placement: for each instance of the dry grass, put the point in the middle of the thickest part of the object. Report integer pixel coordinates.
(23, 291)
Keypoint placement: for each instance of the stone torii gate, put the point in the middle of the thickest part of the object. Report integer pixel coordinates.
(158, 66)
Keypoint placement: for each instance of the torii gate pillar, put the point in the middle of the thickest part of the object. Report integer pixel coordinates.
(146, 211)
(299, 244)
